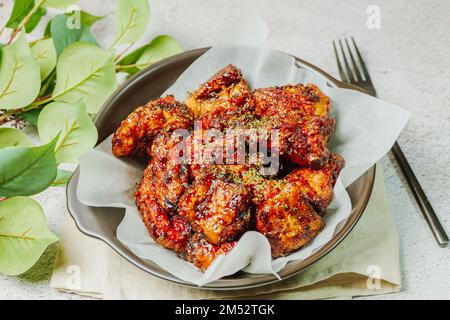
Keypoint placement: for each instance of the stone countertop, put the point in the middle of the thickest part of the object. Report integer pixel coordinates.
(409, 61)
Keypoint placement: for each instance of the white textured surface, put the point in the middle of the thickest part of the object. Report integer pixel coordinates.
(409, 60)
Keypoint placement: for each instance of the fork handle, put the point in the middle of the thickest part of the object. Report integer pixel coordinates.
(421, 198)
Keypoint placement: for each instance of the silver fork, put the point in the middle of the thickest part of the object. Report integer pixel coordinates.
(354, 71)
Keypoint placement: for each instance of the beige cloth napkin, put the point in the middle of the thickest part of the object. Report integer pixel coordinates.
(365, 263)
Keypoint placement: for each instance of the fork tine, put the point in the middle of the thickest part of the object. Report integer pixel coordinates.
(341, 70)
(361, 61)
(351, 77)
(354, 64)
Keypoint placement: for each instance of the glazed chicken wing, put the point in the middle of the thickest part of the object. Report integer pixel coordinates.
(285, 217)
(308, 100)
(304, 143)
(171, 231)
(317, 184)
(135, 134)
(222, 101)
(157, 195)
(217, 208)
(302, 140)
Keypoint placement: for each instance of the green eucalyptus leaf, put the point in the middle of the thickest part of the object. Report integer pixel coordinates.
(132, 57)
(20, 10)
(44, 53)
(20, 78)
(59, 4)
(87, 36)
(63, 36)
(11, 137)
(132, 18)
(62, 178)
(35, 19)
(24, 234)
(27, 170)
(78, 132)
(87, 72)
(31, 116)
(47, 29)
(158, 49)
(89, 19)
(86, 19)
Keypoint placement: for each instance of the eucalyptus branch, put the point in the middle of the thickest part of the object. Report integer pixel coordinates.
(38, 103)
(73, 131)
(4, 118)
(25, 20)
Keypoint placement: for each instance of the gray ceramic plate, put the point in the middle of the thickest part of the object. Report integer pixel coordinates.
(102, 223)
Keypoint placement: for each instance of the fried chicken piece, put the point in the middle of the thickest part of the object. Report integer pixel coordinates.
(305, 99)
(202, 253)
(285, 217)
(157, 195)
(317, 184)
(223, 101)
(304, 143)
(217, 208)
(135, 134)
(301, 140)
(288, 211)
(225, 88)
(171, 231)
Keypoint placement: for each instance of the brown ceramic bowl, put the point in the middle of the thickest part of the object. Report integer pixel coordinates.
(102, 223)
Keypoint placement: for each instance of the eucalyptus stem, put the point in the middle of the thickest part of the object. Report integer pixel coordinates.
(4, 117)
(35, 105)
(25, 20)
(123, 52)
(38, 103)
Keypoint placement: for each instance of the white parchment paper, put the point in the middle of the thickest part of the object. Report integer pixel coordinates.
(366, 130)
